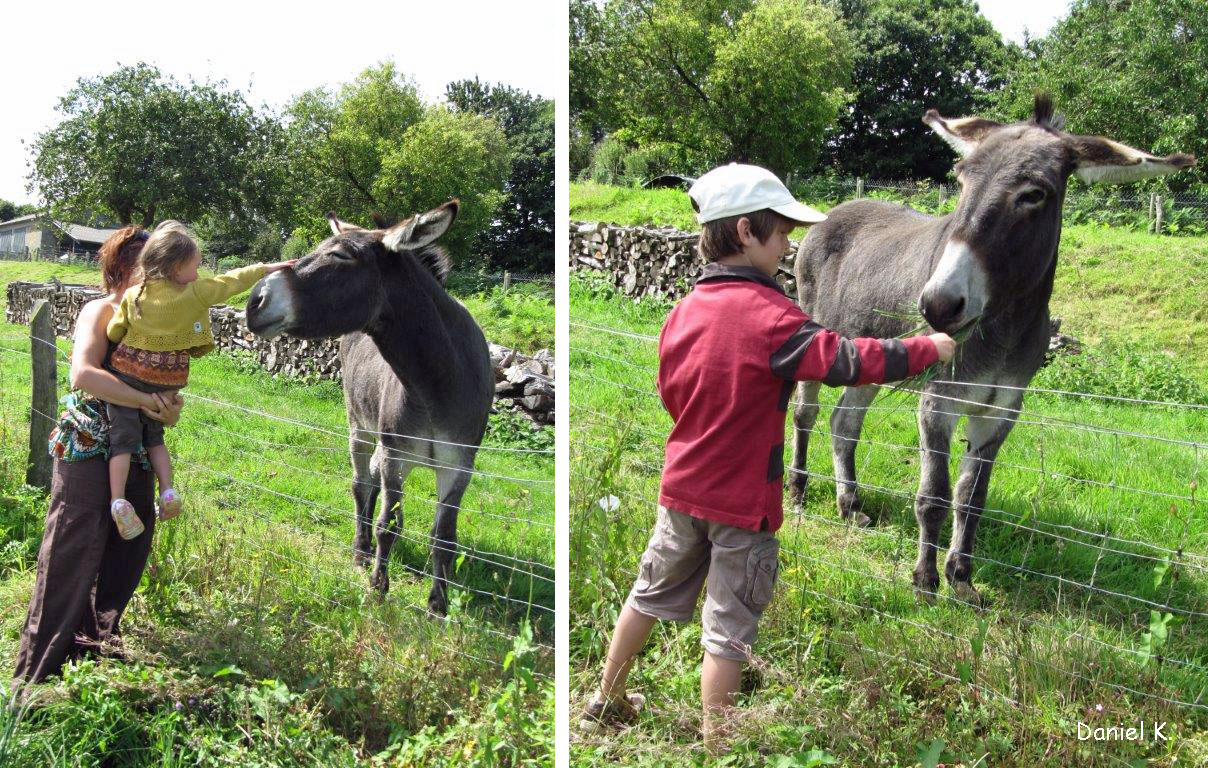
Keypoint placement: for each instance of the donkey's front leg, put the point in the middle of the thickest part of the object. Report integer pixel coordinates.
(935, 490)
(985, 435)
(394, 474)
(846, 422)
(450, 486)
(366, 484)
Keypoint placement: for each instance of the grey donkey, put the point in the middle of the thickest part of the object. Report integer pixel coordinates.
(987, 270)
(418, 384)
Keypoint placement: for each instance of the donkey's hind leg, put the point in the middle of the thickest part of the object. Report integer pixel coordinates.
(394, 471)
(804, 417)
(366, 483)
(846, 422)
(451, 485)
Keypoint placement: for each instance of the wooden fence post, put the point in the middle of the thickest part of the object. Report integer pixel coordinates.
(42, 353)
(859, 187)
(507, 281)
(1157, 217)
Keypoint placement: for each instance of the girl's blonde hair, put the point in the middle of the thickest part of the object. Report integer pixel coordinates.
(168, 249)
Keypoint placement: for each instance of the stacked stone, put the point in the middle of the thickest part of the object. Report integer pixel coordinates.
(650, 261)
(65, 301)
(522, 383)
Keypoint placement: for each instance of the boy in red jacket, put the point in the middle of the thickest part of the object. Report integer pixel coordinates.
(729, 356)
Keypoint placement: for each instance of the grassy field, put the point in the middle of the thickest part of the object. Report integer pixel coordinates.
(1089, 530)
(256, 641)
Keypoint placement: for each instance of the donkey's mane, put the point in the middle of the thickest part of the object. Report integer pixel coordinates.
(433, 257)
(435, 260)
(1042, 112)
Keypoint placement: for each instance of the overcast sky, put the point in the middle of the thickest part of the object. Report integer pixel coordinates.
(273, 51)
(1010, 17)
(270, 51)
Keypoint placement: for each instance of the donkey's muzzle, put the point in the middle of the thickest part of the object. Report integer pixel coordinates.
(943, 311)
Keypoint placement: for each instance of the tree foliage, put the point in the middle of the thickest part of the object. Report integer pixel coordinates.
(10, 210)
(726, 80)
(1133, 70)
(137, 147)
(375, 150)
(911, 56)
(522, 235)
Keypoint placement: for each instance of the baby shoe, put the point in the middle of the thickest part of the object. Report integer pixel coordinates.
(128, 524)
(601, 712)
(169, 504)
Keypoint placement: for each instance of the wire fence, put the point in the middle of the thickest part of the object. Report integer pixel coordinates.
(1114, 611)
(503, 568)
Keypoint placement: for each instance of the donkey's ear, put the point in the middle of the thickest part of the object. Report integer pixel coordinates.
(337, 226)
(421, 229)
(962, 133)
(1097, 159)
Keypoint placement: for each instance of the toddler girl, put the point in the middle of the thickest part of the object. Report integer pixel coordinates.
(160, 325)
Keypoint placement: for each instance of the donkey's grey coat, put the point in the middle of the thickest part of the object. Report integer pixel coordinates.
(999, 250)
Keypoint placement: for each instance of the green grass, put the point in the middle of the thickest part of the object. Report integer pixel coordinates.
(252, 618)
(849, 662)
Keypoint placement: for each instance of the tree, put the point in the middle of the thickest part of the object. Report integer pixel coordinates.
(136, 147)
(726, 80)
(448, 154)
(337, 142)
(375, 150)
(1133, 70)
(522, 235)
(911, 56)
(14, 210)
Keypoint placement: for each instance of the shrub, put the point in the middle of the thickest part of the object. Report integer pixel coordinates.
(1123, 369)
(297, 246)
(608, 161)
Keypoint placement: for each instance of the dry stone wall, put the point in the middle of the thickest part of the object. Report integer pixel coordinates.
(650, 261)
(523, 383)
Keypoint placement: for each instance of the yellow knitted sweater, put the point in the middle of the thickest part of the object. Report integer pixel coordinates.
(172, 316)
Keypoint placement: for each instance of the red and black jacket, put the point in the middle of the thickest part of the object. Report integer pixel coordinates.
(729, 355)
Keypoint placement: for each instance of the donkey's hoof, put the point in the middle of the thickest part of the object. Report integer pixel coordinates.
(851, 510)
(797, 485)
(437, 608)
(965, 592)
(379, 580)
(361, 559)
(926, 586)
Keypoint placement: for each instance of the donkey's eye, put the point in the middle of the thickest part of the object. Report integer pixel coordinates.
(1031, 197)
(341, 255)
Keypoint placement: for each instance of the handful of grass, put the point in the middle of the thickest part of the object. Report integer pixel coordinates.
(914, 383)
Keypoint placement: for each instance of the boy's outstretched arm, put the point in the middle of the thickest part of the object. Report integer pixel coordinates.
(802, 350)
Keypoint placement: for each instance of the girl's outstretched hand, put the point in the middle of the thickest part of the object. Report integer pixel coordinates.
(280, 265)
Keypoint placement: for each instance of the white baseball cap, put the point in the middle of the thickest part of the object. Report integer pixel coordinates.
(730, 190)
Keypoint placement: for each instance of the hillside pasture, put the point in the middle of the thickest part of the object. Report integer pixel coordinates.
(254, 639)
(1092, 552)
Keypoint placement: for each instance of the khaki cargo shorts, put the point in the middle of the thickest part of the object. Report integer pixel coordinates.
(737, 567)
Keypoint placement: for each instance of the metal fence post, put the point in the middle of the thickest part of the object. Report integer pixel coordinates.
(44, 396)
